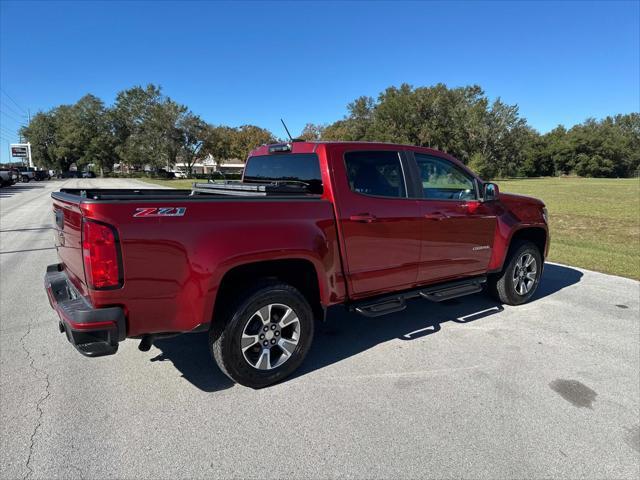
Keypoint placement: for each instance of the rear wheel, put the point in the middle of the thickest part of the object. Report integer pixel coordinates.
(519, 279)
(264, 335)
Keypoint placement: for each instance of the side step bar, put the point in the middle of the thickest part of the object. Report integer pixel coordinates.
(377, 309)
(437, 293)
(444, 292)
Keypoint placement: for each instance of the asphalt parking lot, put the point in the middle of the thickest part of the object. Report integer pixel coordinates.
(466, 389)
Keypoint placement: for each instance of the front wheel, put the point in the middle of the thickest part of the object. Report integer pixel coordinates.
(25, 179)
(264, 335)
(519, 279)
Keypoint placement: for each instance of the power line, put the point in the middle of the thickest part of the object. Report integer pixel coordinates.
(10, 135)
(6, 105)
(11, 117)
(6, 131)
(14, 102)
(9, 129)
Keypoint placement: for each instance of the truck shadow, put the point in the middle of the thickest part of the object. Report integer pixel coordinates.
(346, 333)
(7, 192)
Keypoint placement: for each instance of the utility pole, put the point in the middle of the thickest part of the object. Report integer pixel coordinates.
(29, 143)
(29, 152)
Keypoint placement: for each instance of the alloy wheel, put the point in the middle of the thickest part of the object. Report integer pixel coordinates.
(524, 274)
(270, 336)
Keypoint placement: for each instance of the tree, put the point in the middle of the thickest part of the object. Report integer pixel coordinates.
(139, 139)
(336, 131)
(460, 121)
(144, 128)
(606, 148)
(165, 130)
(190, 129)
(154, 130)
(312, 132)
(41, 133)
(79, 134)
(479, 164)
(248, 137)
(87, 132)
(217, 141)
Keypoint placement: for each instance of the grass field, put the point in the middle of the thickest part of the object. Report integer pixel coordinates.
(595, 222)
(186, 183)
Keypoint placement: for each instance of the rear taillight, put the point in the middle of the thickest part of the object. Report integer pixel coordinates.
(101, 254)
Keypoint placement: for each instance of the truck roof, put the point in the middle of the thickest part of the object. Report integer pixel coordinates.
(310, 147)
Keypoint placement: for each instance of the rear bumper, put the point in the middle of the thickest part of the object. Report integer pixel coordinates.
(93, 331)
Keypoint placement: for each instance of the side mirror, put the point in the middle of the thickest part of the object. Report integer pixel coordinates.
(490, 192)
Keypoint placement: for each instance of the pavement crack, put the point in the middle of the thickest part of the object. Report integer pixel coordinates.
(38, 374)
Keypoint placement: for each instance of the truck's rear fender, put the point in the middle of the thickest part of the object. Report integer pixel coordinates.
(300, 269)
(174, 266)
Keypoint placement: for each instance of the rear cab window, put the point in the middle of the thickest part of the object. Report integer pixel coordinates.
(292, 168)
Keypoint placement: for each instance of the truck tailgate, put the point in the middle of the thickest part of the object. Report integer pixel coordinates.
(68, 240)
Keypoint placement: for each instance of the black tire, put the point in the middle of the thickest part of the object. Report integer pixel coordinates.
(503, 287)
(226, 334)
(25, 179)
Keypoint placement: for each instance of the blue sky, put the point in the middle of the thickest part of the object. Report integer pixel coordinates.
(237, 63)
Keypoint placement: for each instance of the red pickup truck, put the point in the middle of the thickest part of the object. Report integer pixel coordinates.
(256, 262)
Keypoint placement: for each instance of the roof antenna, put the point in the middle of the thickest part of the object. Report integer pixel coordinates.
(285, 127)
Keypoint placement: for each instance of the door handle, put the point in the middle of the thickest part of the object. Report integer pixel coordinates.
(470, 207)
(363, 218)
(436, 216)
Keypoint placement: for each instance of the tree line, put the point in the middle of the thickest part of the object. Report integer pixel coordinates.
(146, 128)
(143, 129)
(491, 137)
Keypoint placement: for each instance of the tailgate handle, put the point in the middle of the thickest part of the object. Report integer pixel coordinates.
(59, 214)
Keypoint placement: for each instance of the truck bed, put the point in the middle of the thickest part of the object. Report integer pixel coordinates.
(199, 190)
(176, 246)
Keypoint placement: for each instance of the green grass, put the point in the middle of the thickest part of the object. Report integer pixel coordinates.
(594, 222)
(182, 183)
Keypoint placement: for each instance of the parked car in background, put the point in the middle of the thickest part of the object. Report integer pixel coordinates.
(88, 174)
(42, 175)
(15, 174)
(166, 174)
(27, 174)
(255, 263)
(70, 174)
(8, 177)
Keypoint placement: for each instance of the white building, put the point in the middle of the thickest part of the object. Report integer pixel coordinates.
(208, 165)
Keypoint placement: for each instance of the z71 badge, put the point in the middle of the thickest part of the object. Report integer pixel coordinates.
(160, 212)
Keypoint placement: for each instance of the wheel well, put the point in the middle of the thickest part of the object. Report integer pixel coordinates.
(536, 235)
(298, 273)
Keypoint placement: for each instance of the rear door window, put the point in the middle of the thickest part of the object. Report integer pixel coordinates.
(377, 173)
